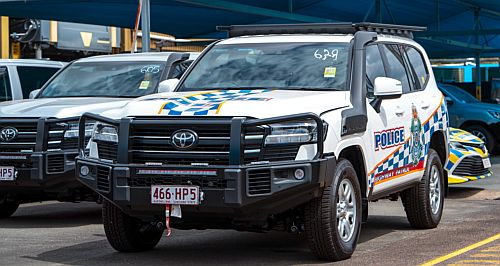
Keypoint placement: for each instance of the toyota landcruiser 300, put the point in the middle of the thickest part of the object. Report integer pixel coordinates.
(39, 137)
(287, 127)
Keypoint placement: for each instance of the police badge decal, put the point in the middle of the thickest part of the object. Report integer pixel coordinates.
(416, 137)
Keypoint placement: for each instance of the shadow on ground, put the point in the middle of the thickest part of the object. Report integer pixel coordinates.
(215, 247)
(56, 215)
(463, 192)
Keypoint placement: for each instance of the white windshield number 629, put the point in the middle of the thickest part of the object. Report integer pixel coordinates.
(326, 54)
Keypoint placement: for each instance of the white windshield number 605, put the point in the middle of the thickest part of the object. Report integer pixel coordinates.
(150, 69)
(323, 55)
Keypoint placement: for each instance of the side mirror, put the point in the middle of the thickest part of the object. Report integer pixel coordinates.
(449, 101)
(167, 85)
(387, 88)
(34, 93)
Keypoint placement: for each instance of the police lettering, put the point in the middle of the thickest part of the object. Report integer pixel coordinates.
(389, 138)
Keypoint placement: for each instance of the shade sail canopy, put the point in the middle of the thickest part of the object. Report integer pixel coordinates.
(456, 28)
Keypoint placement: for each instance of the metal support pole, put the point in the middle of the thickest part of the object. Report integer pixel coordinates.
(145, 26)
(4, 37)
(38, 51)
(478, 55)
(437, 16)
(378, 10)
(478, 76)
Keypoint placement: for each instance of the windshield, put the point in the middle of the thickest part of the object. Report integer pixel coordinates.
(460, 94)
(314, 66)
(106, 79)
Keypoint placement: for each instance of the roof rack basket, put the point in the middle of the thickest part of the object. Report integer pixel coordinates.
(320, 28)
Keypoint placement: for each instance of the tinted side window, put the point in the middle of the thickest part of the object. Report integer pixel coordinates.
(179, 68)
(418, 68)
(395, 65)
(374, 68)
(5, 93)
(33, 78)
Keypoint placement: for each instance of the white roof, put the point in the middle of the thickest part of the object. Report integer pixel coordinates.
(155, 56)
(31, 62)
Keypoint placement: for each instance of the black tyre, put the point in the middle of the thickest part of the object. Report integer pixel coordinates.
(7, 208)
(126, 233)
(423, 203)
(333, 221)
(484, 134)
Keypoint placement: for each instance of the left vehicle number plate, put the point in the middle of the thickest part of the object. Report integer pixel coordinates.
(178, 195)
(7, 173)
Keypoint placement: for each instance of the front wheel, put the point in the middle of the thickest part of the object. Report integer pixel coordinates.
(423, 203)
(333, 221)
(126, 233)
(7, 207)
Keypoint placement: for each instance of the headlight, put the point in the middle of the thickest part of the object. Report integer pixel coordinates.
(104, 132)
(72, 130)
(458, 146)
(495, 114)
(297, 132)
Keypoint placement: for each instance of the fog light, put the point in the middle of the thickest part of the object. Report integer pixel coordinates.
(84, 170)
(299, 174)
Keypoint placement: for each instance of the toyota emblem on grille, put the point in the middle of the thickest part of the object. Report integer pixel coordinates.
(8, 134)
(184, 139)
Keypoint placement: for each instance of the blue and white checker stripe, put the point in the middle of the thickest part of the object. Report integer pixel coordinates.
(401, 156)
(207, 103)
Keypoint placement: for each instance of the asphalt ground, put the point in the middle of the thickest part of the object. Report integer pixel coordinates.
(52, 233)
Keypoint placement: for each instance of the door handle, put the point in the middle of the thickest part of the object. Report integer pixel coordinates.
(425, 105)
(400, 112)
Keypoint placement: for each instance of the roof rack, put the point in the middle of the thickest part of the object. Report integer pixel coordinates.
(331, 28)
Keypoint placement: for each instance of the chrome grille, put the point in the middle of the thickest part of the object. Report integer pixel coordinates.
(26, 138)
(107, 150)
(55, 136)
(151, 144)
(471, 166)
(280, 153)
(252, 143)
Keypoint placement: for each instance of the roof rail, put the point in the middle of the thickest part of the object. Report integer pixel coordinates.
(331, 28)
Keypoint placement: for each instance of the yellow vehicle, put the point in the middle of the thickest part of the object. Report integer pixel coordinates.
(469, 158)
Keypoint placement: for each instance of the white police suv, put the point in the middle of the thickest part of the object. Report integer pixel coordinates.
(39, 137)
(279, 127)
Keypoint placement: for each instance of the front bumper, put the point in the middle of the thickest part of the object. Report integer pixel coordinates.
(39, 175)
(465, 166)
(228, 191)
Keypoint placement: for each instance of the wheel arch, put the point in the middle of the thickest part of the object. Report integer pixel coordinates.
(355, 155)
(469, 123)
(439, 143)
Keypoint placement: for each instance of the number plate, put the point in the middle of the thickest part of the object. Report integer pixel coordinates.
(180, 195)
(486, 163)
(7, 173)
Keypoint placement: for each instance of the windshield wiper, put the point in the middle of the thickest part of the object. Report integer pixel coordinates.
(307, 89)
(89, 96)
(261, 88)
